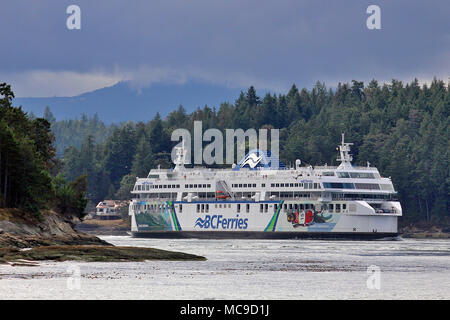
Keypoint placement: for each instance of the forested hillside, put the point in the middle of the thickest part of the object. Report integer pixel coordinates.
(71, 133)
(403, 129)
(29, 178)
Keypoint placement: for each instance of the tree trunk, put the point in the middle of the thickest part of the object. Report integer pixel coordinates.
(420, 207)
(428, 214)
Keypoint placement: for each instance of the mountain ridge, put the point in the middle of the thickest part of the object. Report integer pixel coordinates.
(122, 102)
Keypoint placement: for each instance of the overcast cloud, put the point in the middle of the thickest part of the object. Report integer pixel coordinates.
(269, 44)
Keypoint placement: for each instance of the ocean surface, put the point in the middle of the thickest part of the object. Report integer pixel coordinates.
(247, 269)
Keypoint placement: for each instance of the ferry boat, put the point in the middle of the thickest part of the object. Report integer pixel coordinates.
(262, 198)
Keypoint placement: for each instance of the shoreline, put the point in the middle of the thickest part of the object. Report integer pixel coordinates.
(99, 227)
(25, 241)
(424, 231)
(89, 253)
(425, 235)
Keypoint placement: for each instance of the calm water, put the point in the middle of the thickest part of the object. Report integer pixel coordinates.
(247, 269)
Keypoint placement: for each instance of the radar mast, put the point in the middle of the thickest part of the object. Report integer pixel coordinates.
(345, 156)
(180, 153)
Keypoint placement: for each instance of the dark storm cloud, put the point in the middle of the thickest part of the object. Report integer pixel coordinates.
(269, 44)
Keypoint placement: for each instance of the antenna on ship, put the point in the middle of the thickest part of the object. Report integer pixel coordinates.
(345, 156)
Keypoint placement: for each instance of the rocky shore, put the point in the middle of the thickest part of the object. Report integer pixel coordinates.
(25, 240)
(17, 230)
(103, 227)
(422, 231)
(90, 253)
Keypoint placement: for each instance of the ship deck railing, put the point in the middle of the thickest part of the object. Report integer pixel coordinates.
(336, 167)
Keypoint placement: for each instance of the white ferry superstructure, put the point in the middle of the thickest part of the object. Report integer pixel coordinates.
(261, 198)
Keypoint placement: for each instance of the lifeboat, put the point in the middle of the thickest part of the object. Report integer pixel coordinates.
(221, 195)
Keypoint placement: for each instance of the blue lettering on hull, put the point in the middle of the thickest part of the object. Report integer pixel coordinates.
(219, 222)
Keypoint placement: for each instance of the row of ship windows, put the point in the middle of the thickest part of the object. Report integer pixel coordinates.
(357, 175)
(332, 207)
(262, 207)
(200, 207)
(340, 185)
(147, 187)
(310, 185)
(207, 185)
(265, 207)
(283, 194)
(361, 196)
(239, 207)
(246, 185)
(306, 185)
(204, 207)
(279, 185)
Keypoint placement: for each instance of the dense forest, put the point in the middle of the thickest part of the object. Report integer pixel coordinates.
(403, 129)
(72, 132)
(29, 178)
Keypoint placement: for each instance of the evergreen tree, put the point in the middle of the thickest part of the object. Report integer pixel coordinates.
(143, 160)
(48, 115)
(403, 129)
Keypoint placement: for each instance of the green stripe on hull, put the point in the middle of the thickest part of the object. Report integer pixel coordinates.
(273, 222)
(174, 216)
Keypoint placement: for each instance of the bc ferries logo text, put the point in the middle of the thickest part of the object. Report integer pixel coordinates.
(218, 222)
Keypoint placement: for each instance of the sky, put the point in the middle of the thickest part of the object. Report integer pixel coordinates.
(235, 43)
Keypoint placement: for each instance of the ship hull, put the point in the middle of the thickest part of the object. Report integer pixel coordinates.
(264, 220)
(265, 235)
